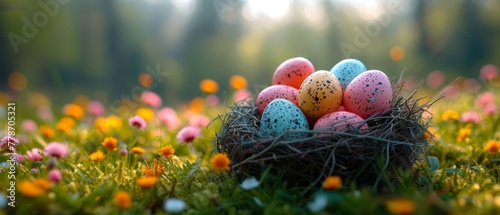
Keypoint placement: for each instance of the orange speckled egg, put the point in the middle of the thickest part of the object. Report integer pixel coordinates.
(292, 72)
(342, 121)
(274, 92)
(367, 94)
(320, 94)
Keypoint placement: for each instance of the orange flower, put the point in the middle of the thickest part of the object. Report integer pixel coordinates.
(167, 151)
(450, 115)
(155, 170)
(197, 104)
(463, 133)
(65, 124)
(110, 143)
(34, 188)
(138, 150)
(74, 111)
(147, 182)
(492, 146)
(220, 162)
(400, 206)
(238, 82)
(332, 183)
(397, 53)
(123, 199)
(97, 156)
(47, 131)
(209, 86)
(146, 113)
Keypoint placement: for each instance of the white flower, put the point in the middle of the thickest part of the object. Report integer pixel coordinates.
(257, 200)
(3, 200)
(250, 183)
(174, 205)
(320, 202)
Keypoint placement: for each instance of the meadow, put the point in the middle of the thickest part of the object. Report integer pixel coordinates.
(140, 157)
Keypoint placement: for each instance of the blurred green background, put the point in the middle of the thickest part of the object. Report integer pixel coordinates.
(100, 48)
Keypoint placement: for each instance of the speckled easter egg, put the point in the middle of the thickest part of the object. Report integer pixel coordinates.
(342, 121)
(282, 115)
(274, 92)
(292, 72)
(367, 94)
(320, 94)
(346, 70)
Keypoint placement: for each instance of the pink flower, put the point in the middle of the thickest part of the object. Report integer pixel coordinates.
(19, 158)
(472, 85)
(199, 120)
(188, 134)
(35, 154)
(435, 79)
(5, 140)
(489, 72)
(471, 117)
(485, 98)
(95, 108)
(137, 122)
(29, 125)
(212, 100)
(169, 117)
(151, 98)
(35, 171)
(241, 94)
(58, 150)
(55, 175)
(123, 152)
(491, 109)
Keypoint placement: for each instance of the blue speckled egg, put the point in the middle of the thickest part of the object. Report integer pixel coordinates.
(281, 115)
(346, 70)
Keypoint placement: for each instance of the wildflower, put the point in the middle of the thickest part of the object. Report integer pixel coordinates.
(52, 163)
(55, 175)
(332, 183)
(73, 110)
(463, 133)
(188, 134)
(65, 124)
(435, 79)
(4, 142)
(138, 150)
(167, 151)
(95, 108)
(123, 152)
(34, 188)
(488, 72)
(241, 94)
(147, 182)
(319, 203)
(146, 113)
(151, 98)
(35, 154)
(123, 199)
(237, 82)
(209, 86)
(492, 146)
(212, 100)
(137, 122)
(19, 158)
(29, 125)
(485, 98)
(491, 109)
(250, 183)
(470, 117)
(220, 162)
(110, 143)
(58, 150)
(97, 156)
(197, 104)
(400, 206)
(450, 115)
(47, 131)
(169, 117)
(155, 170)
(199, 120)
(174, 205)
(34, 171)
(431, 133)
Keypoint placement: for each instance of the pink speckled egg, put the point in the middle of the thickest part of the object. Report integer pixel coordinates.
(292, 72)
(274, 92)
(368, 94)
(342, 121)
(320, 94)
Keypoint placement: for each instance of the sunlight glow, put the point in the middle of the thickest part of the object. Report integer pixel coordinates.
(275, 9)
(366, 9)
(184, 6)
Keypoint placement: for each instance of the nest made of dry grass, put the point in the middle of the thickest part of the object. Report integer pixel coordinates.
(395, 141)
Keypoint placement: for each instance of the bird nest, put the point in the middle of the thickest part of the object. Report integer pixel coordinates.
(396, 139)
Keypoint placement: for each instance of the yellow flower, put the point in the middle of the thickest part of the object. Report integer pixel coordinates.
(105, 124)
(167, 151)
(34, 188)
(114, 121)
(65, 124)
(110, 143)
(463, 133)
(237, 82)
(47, 131)
(146, 113)
(209, 86)
(220, 162)
(450, 115)
(332, 183)
(492, 146)
(400, 206)
(147, 182)
(138, 150)
(155, 170)
(74, 111)
(123, 199)
(97, 156)
(431, 133)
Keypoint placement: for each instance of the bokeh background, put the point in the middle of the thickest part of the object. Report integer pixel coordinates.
(107, 49)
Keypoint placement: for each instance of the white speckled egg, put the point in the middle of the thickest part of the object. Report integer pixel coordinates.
(320, 94)
(282, 115)
(367, 94)
(274, 92)
(341, 121)
(346, 70)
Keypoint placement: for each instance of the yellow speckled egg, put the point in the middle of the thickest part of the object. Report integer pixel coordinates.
(320, 94)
